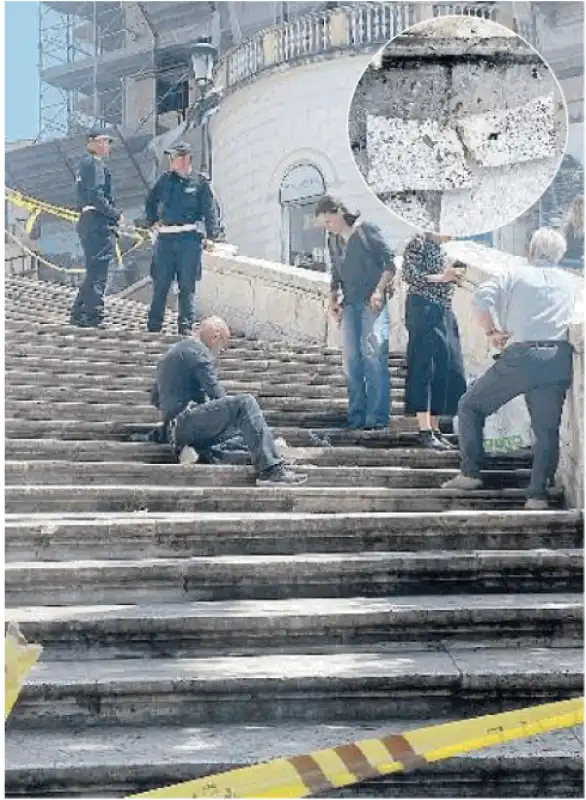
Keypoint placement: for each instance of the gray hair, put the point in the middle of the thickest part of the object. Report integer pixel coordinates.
(547, 245)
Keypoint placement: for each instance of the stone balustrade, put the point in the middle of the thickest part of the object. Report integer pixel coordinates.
(357, 27)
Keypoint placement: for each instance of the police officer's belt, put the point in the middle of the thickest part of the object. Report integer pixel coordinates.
(194, 226)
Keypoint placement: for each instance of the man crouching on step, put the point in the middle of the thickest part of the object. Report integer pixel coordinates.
(198, 414)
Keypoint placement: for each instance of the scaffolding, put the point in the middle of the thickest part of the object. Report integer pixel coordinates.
(77, 34)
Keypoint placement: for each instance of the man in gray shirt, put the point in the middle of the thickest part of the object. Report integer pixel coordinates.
(524, 312)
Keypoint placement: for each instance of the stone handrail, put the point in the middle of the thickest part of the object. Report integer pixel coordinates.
(360, 26)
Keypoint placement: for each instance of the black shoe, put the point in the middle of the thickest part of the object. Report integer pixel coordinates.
(429, 442)
(444, 440)
(278, 475)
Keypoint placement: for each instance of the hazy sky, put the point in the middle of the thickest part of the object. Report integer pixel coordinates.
(21, 69)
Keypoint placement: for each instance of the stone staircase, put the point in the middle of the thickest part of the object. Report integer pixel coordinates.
(192, 622)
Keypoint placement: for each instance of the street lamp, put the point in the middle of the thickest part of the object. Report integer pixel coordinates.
(203, 58)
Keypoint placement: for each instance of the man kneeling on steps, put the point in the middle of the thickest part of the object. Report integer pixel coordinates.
(198, 414)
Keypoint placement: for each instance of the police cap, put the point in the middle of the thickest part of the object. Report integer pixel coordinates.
(98, 133)
(179, 149)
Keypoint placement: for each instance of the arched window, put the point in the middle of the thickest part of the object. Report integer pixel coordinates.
(303, 243)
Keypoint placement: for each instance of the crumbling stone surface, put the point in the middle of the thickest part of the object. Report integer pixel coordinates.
(431, 117)
(413, 155)
(526, 133)
(501, 195)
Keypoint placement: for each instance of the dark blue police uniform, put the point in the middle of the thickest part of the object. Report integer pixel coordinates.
(95, 228)
(185, 204)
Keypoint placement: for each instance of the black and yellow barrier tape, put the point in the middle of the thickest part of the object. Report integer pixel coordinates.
(36, 207)
(19, 659)
(347, 764)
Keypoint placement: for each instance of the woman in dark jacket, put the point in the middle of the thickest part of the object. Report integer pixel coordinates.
(362, 270)
(435, 367)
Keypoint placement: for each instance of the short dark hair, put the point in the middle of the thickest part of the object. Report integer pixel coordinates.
(332, 205)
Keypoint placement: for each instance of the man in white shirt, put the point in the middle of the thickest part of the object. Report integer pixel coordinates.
(525, 312)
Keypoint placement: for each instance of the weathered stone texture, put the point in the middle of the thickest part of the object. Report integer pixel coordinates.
(411, 155)
(525, 133)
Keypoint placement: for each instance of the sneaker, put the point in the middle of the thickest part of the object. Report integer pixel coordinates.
(429, 441)
(279, 475)
(535, 504)
(188, 456)
(463, 482)
(444, 440)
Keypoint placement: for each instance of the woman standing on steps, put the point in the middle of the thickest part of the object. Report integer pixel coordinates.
(362, 271)
(435, 367)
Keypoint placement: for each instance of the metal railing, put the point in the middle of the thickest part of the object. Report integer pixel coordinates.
(357, 26)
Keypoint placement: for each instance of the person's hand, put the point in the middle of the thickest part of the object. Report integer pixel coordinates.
(449, 275)
(376, 300)
(498, 339)
(334, 309)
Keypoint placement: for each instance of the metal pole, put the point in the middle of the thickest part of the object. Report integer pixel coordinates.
(95, 66)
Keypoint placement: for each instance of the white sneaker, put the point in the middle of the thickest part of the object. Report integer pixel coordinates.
(535, 504)
(463, 482)
(188, 456)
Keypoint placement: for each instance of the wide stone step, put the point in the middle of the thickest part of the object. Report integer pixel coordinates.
(150, 453)
(95, 498)
(115, 762)
(235, 355)
(339, 687)
(277, 410)
(191, 629)
(60, 537)
(37, 473)
(400, 433)
(122, 393)
(142, 377)
(245, 577)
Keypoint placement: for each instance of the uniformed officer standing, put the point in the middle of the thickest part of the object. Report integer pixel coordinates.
(96, 228)
(181, 209)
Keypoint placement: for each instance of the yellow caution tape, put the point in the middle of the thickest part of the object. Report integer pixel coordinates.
(326, 770)
(19, 659)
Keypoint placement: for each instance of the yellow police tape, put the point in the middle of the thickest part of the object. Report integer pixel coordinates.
(19, 659)
(326, 770)
(36, 207)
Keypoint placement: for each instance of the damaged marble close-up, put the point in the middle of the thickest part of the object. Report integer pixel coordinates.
(458, 126)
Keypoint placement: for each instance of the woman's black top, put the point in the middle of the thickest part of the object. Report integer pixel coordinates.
(422, 257)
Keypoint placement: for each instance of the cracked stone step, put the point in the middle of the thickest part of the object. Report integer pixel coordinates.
(94, 498)
(36, 473)
(338, 687)
(92, 451)
(116, 762)
(191, 629)
(402, 431)
(287, 577)
(133, 535)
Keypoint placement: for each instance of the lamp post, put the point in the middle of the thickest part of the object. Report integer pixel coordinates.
(203, 57)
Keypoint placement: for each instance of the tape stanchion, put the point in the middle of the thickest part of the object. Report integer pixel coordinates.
(326, 770)
(19, 659)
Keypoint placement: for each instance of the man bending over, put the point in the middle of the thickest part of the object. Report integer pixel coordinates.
(197, 413)
(525, 313)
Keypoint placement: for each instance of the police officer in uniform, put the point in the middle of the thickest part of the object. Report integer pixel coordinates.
(96, 229)
(181, 209)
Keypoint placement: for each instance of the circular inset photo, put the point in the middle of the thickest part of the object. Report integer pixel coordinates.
(458, 125)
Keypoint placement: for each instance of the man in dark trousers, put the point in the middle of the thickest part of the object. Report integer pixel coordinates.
(96, 229)
(198, 414)
(181, 209)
